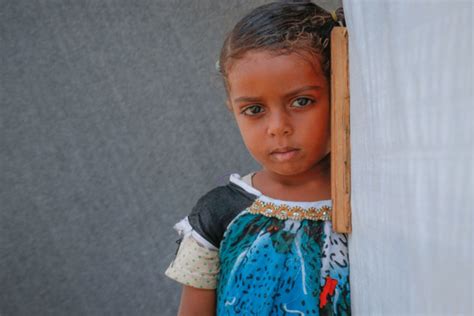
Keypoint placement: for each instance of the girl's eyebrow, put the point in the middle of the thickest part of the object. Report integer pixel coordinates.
(289, 94)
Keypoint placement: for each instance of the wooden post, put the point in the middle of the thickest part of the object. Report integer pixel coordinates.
(340, 132)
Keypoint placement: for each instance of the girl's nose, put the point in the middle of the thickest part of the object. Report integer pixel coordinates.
(279, 124)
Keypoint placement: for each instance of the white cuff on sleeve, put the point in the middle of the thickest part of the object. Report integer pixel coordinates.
(195, 265)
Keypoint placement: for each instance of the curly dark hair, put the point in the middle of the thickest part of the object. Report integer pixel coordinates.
(281, 27)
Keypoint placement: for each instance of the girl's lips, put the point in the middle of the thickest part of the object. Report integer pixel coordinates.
(284, 156)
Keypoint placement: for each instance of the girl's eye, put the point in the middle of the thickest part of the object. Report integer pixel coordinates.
(301, 102)
(256, 110)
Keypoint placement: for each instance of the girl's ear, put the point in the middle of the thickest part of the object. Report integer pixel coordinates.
(229, 105)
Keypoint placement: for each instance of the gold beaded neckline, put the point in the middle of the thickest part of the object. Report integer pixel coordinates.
(285, 211)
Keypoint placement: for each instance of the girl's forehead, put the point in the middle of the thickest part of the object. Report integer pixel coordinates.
(255, 66)
(269, 59)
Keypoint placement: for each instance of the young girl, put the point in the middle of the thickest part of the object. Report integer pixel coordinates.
(263, 244)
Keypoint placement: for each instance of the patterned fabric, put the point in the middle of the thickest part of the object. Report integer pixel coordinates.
(194, 265)
(267, 265)
(277, 267)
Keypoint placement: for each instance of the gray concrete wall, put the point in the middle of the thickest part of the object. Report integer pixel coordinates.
(112, 124)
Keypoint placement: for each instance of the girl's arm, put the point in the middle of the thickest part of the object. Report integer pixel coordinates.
(197, 302)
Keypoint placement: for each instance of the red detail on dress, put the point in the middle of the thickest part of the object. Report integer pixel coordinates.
(328, 289)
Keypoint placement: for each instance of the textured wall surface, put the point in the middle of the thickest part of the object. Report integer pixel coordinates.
(412, 157)
(112, 124)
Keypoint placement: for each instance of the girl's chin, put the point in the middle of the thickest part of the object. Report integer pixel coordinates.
(285, 169)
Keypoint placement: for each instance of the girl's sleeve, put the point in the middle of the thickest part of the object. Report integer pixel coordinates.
(197, 258)
(196, 262)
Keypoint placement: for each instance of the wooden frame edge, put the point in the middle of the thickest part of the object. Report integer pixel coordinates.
(340, 132)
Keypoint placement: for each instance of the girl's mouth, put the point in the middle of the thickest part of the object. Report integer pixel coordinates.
(286, 155)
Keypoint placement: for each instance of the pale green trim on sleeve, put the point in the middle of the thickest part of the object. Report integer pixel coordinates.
(195, 265)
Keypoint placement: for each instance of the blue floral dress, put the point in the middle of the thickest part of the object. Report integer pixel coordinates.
(263, 256)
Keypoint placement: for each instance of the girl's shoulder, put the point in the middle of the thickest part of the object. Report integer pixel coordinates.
(216, 208)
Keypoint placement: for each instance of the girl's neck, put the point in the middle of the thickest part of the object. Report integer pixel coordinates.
(312, 185)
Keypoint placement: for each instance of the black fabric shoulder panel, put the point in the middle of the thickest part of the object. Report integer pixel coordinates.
(216, 209)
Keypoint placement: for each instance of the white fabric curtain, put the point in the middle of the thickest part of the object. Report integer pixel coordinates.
(412, 157)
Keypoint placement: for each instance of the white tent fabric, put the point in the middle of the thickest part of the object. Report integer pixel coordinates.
(412, 157)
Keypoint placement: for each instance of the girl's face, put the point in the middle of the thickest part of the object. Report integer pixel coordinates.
(281, 103)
